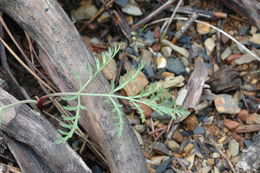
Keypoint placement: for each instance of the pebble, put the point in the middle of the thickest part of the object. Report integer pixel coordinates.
(136, 85)
(245, 59)
(187, 149)
(164, 165)
(159, 117)
(146, 56)
(149, 72)
(253, 30)
(227, 52)
(190, 159)
(139, 128)
(161, 62)
(161, 148)
(166, 51)
(230, 124)
(121, 3)
(203, 29)
(224, 104)
(110, 70)
(191, 122)
(174, 65)
(243, 115)
(132, 9)
(185, 61)
(156, 160)
(205, 169)
(210, 45)
(149, 38)
(255, 38)
(178, 137)
(170, 82)
(253, 119)
(178, 49)
(243, 30)
(199, 130)
(233, 147)
(172, 145)
(86, 11)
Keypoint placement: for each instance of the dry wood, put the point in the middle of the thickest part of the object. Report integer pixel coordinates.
(65, 52)
(249, 8)
(29, 127)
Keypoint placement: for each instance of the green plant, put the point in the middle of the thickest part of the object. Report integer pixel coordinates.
(150, 96)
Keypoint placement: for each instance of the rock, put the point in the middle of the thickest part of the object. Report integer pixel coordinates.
(164, 165)
(178, 49)
(225, 104)
(86, 11)
(205, 169)
(255, 38)
(231, 124)
(196, 151)
(174, 65)
(149, 38)
(161, 148)
(214, 130)
(243, 115)
(156, 160)
(132, 9)
(172, 145)
(139, 128)
(166, 51)
(121, 3)
(243, 30)
(253, 30)
(227, 52)
(203, 29)
(136, 85)
(253, 119)
(233, 147)
(104, 17)
(147, 110)
(146, 56)
(199, 130)
(210, 45)
(149, 72)
(168, 171)
(161, 62)
(185, 61)
(170, 82)
(191, 122)
(245, 59)
(159, 117)
(190, 159)
(224, 39)
(110, 70)
(187, 149)
(178, 137)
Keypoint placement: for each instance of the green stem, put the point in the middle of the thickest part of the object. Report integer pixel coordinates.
(18, 103)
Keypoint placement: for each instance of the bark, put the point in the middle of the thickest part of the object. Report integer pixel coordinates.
(65, 52)
(29, 127)
(249, 8)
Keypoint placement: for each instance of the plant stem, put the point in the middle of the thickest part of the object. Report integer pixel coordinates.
(18, 103)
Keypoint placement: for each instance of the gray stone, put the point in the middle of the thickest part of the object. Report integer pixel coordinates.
(175, 66)
(172, 145)
(233, 147)
(225, 104)
(146, 56)
(132, 9)
(227, 52)
(149, 38)
(139, 128)
(210, 45)
(199, 130)
(166, 51)
(245, 59)
(161, 148)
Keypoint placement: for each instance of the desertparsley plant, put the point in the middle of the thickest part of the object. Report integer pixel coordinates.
(150, 96)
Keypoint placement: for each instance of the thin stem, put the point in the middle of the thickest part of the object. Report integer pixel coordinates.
(18, 103)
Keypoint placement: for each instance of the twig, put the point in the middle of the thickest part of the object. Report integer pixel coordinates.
(218, 45)
(185, 27)
(200, 12)
(153, 14)
(167, 24)
(212, 26)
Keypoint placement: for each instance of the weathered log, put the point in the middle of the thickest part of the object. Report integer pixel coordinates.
(26, 158)
(29, 127)
(249, 8)
(65, 52)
